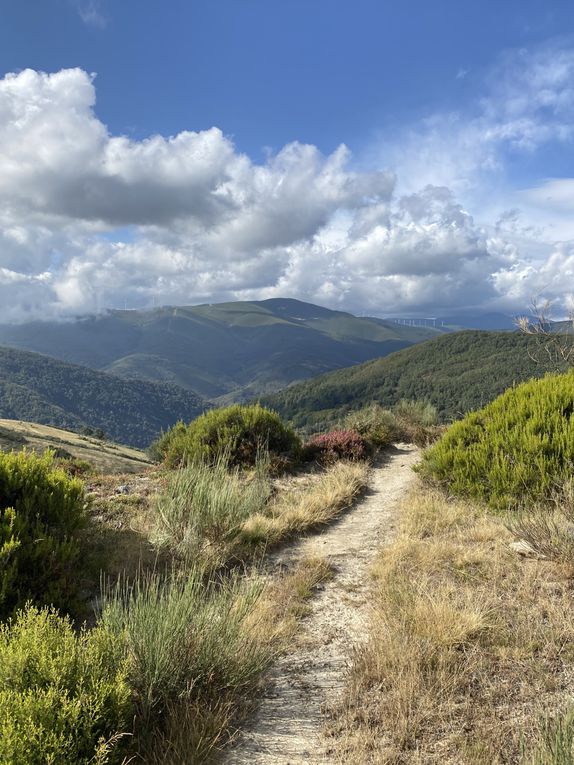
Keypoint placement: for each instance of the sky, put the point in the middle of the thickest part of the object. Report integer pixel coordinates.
(384, 158)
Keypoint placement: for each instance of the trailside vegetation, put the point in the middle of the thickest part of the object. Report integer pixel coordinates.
(519, 449)
(237, 433)
(42, 510)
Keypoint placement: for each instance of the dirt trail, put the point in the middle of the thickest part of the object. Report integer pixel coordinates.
(286, 730)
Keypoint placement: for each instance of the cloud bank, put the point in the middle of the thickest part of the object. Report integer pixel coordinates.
(90, 220)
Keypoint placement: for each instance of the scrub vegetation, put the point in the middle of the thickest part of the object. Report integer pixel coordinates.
(183, 629)
(468, 654)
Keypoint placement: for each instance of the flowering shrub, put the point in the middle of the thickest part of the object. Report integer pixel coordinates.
(338, 444)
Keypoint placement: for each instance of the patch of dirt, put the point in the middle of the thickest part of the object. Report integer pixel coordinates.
(287, 726)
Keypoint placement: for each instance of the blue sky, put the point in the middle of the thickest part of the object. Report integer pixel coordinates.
(203, 161)
(268, 72)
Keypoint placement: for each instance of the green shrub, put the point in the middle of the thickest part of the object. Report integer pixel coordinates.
(167, 442)
(189, 643)
(63, 696)
(238, 432)
(416, 413)
(376, 425)
(41, 511)
(200, 513)
(518, 449)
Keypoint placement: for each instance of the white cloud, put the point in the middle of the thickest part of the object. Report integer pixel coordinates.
(89, 220)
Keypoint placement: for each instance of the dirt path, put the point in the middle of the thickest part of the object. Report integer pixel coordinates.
(286, 729)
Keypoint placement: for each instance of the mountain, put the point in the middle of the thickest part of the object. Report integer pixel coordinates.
(225, 351)
(456, 372)
(52, 392)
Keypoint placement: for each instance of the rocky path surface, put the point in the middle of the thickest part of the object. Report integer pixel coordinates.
(286, 729)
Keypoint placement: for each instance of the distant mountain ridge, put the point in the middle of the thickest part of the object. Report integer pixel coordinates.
(41, 389)
(223, 352)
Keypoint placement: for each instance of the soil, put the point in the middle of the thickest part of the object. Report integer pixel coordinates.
(287, 728)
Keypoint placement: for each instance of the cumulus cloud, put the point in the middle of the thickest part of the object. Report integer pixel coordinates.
(90, 220)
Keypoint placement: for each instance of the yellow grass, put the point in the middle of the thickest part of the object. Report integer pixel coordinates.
(295, 511)
(104, 456)
(468, 648)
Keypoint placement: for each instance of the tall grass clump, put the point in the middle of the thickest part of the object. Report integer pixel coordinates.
(201, 511)
(556, 745)
(63, 695)
(41, 511)
(191, 647)
(518, 449)
(239, 432)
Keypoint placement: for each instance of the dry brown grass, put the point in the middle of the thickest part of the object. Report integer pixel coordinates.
(104, 456)
(296, 510)
(469, 645)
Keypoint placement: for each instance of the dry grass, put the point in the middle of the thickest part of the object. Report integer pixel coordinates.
(295, 511)
(104, 456)
(195, 730)
(468, 647)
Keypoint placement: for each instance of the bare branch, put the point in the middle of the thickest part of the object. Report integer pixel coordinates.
(553, 345)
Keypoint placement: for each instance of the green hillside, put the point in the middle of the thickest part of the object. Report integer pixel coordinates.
(456, 372)
(229, 350)
(51, 392)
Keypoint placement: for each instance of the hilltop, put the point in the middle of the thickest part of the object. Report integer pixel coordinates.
(50, 392)
(456, 373)
(104, 456)
(226, 351)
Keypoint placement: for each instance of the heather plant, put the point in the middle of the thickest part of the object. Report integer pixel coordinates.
(63, 694)
(335, 445)
(517, 450)
(41, 512)
(239, 432)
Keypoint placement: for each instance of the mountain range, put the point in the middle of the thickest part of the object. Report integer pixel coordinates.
(222, 352)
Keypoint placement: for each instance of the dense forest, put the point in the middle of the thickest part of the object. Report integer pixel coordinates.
(456, 373)
(51, 392)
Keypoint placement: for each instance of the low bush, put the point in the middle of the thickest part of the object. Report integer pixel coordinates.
(417, 422)
(416, 413)
(338, 444)
(63, 695)
(237, 432)
(200, 513)
(518, 449)
(41, 511)
(170, 442)
(376, 425)
(190, 647)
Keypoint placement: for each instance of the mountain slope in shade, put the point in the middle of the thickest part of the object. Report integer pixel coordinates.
(51, 392)
(456, 372)
(227, 350)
